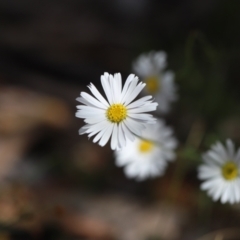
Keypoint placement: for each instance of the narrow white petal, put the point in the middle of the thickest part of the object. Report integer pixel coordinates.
(230, 147)
(97, 127)
(95, 119)
(113, 86)
(211, 154)
(98, 95)
(126, 85)
(206, 172)
(117, 86)
(83, 114)
(82, 130)
(106, 135)
(226, 195)
(92, 100)
(134, 93)
(131, 171)
(151, 107)
(114, 140)
(237, 155)
(106, 87)
(218, 192)
(92, 109)
(221, 150)
(139, 102)
(209, 183)
(130, 89)
(121, 137)
(141, 116)
(84, 101)
(232, 192)
(237, 190)
(129, 135)
(134, 126)
(99, 135)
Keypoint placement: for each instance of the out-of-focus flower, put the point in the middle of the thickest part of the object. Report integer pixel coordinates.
(159, 83)
(119, 116)
(221, 173)
(147, 157)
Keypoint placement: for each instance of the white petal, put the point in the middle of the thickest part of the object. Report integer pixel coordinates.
(90, 114)
(130, 89)
(106, 135)
(151, 107)
(127, 132)
(114, 140)
(134, 126)
(97, 127)
(218, 192)
(121, 138)
(220, 149)
(113, 86)
(210, 183)
(230, 147)
(141, 116)
(99, 135)
(84, 101)
(130, 170)
(214, 156)
(139, 102)
(91, 109)
(106, 87)
(237, 190)
(98, 95)
(95, 119)
(135, 92)
(226, 195)
(232, 192)
(117, 87)
(237, 155)
(126, 85)
(82, 130)
(92, 100)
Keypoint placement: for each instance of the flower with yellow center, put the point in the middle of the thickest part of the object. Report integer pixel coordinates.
(147, 157)
(230, 170)
(150, 67)
(118, 117)
(145, 146)
(221, 173)
(116, 113)
(152, 84)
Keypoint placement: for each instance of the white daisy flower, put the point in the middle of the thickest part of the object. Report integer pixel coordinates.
(118, 116)
(221, 173)
(159, 83)
(147, 156)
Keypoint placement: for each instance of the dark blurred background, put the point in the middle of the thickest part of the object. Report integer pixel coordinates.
(56, 184)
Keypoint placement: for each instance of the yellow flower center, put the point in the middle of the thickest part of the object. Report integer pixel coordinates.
(145, 146)
(116, 113)
(230, 170)
(152, 84)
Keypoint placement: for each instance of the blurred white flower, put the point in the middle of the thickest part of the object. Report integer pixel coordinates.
(159, 83)
(221, 173)
(147, 157)
(119, 116)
